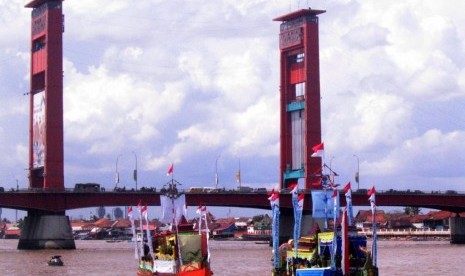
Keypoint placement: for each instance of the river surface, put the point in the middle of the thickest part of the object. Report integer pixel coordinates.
(228, 258)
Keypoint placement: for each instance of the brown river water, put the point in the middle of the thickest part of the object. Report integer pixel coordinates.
(228, 258)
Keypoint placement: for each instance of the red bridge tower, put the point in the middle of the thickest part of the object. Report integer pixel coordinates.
(46, 229)
(300, 97)
(46, 95)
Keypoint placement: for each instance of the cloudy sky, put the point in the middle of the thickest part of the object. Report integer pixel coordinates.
(197, 83)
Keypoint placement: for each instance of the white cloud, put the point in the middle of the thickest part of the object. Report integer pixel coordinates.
(174, 82)
(433, 154)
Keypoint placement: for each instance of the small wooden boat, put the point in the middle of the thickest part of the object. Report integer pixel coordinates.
(55, 261)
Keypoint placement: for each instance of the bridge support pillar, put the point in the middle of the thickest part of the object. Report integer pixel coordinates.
(286, 225)
(45, 230)
(457, 230)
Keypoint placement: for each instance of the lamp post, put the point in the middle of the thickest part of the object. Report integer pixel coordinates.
(134, 175)
(357, 174)
(216, 172)
(117, 172)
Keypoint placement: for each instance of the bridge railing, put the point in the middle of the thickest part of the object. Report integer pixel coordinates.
(222, 190)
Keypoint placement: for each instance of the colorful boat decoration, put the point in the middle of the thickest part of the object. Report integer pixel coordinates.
(180, 251)
(338, 250)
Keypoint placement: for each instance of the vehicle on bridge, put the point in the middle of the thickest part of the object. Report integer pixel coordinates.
(245, 189)
(87, 187)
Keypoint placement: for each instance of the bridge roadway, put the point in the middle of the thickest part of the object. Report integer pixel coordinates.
(67, 200)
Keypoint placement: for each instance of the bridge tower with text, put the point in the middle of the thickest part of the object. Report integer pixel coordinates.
(46, 229)
(300, 97)
(46, 96)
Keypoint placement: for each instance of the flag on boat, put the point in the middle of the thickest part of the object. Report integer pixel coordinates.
(173, 208)
(144, 211)
(371, 198)
(133, 230)
(297, 215)
(348, 193)
(141, 247)
(318, 150)
(347, 188)
(203, 225)
(293, 188)
(335, 198)
(170, 169)
(274, 202)
(374, 248)
(147, 229)
(274, 198)
(201, 209)
(371, 191)
(322, 205)
(130, 212)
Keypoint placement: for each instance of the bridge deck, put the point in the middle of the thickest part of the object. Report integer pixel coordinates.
(67, 200)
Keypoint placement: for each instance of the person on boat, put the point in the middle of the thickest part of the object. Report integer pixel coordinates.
(146, 249)
(146, 263)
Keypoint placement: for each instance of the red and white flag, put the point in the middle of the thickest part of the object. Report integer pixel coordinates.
(139, 205)
(170, 169)
(334, 194)
(347, 188)
(371, 194)
(293, 188)
(130, 212)
(274, 198)
(371, 191)
(201, 209)
(318, 150)
(144, 211)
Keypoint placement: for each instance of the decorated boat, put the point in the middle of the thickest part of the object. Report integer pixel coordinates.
(338, 250)
(181, 250)
(315, 255)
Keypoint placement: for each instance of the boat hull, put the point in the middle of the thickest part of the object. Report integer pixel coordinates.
(198, 272)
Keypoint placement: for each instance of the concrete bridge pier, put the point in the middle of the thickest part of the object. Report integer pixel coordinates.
(457, 230)
(46, 230)
(286, 224)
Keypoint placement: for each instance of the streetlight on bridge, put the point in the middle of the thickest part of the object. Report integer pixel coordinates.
(357, 173)
(117, 172)
(216, 172)
(134, 175)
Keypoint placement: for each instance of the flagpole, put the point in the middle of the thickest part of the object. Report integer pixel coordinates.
(345, 262)
(147, 230)
(372, 199)
(141, 248)
(296, 221)
(134, 236)
(172, 176)
(334, 245)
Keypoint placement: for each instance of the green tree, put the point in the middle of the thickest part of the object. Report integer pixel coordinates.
(20, 223)
(412, 211)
